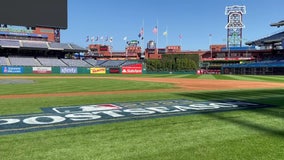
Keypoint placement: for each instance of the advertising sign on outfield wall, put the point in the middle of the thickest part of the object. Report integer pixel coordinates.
(68, 70)
(8, 70)
(42, 70)
(132, 69)
(97, 70)
(114, 70)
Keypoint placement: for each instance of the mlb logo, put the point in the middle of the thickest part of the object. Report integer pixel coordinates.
(87, 108)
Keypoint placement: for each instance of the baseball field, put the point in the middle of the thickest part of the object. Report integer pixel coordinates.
(141, 117)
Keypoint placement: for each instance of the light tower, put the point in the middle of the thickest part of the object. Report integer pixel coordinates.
(235, 25)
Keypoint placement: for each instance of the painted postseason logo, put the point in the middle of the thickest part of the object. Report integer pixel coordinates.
(71, 116)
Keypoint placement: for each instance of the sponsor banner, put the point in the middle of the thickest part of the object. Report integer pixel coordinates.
(132, 69)
(208, 71)
(68, 70)
(12, 70)
(97, 70)
(72, 116)
(114, 70)
(42, 70)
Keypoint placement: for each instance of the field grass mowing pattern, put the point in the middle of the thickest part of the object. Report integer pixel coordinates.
(243, 134)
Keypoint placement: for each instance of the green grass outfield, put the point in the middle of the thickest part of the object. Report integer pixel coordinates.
(256, 134)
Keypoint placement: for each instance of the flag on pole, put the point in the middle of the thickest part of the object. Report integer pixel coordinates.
(165, 33)
(87, 39)
(102, 37)
(106, 38)
(97, 38)
(110, 39)
(155, 30)
(92, 39)
(141, 33)
(125, 38)
(180, 39)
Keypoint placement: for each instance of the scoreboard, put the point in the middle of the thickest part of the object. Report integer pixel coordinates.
(34, 13)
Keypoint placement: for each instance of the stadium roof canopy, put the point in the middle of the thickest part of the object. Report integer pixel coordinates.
(276, 38)
(269, 40)
(278, 24)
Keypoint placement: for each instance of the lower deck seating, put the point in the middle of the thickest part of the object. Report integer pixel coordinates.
(56, 62)
(3, 61)
(76, 63)
(51, 62)
(24, 61)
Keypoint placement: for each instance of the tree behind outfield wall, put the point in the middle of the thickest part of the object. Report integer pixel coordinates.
(174, 63)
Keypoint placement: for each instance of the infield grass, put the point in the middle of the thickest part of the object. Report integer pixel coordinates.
(244, 134)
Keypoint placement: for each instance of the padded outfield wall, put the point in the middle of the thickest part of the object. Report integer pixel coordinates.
(130, 69)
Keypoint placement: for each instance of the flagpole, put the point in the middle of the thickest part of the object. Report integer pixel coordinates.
(143, 24)
(125, 39)
(110, 43)
(180, 40)
(102, 40)
(167, 36)
(210, 43)
(157, 35)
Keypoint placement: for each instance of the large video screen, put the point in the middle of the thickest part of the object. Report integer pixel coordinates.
(34, 13)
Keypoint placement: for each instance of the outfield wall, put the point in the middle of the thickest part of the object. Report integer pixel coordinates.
(131, 69)
(82, 70)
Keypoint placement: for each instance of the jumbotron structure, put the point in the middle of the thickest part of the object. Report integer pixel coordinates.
(33, 30)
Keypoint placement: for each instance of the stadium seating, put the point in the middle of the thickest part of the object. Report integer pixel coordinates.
(93, 62)
(9, 43)
(101, 62)
(129, 63)
(3, 61)
(76, 63)
(24, 61)
(34, 44)
(112, 63)
(51, 62)
(59, 46)
(55, 62)
(76, 47)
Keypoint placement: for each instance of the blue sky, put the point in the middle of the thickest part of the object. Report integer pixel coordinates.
(194, 19)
